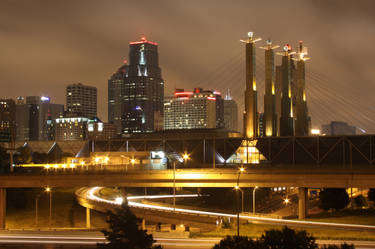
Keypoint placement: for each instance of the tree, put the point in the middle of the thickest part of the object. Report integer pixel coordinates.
(342, 246)
(371, 194)
(288, 238)
(333, 198)
(239, 242)
(124, 231)
(276, 239)
(360, 201)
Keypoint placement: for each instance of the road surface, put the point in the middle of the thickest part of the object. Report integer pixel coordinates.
(90, 238)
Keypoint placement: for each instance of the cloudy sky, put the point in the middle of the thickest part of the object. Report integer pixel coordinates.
(45, 45)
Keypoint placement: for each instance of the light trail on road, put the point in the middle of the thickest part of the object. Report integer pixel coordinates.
(91, 194)
(91, 238)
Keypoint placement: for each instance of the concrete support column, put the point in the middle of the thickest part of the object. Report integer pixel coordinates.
(88, 218)
(2, 207)
(302, 203)
(143, 224)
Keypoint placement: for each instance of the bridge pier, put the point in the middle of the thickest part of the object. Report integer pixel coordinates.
(2, 208)
(302, 203)
(88, 218)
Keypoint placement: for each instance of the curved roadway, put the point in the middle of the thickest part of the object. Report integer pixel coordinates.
(91, 194)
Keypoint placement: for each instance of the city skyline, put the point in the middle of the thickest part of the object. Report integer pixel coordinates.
(52, 59)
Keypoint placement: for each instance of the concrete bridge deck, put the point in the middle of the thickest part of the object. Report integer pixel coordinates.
(312, 177)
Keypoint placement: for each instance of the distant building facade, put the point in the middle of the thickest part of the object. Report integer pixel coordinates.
(34, 118)
(81, 100)
(8, 117)
(82, 128)
(115, 100)
(338, 128)
(98, 130)
(136, 91)
(194, 110)
(230, 113)
(68, 129)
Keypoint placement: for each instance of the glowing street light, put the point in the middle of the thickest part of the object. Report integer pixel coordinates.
(132, 161)
(185, 156)
(286, 201)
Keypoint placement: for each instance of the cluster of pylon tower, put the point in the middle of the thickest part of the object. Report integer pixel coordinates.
(285, 108)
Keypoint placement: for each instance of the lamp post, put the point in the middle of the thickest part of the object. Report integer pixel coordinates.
(36, 209)
(174, 186)
(255, 188)
(49, 191)
(242, 198)
(242, 169)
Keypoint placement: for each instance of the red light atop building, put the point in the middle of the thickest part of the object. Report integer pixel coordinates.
(143, 41)
(182, 93)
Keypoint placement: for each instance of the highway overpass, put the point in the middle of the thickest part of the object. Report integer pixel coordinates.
(303, 177)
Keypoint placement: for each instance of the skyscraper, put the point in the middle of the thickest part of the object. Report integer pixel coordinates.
(7, 117)
(230, 113)
(34, 119)
(251, 109)
(198, 109)
(81, 100)
(142, 90)
(115, 101)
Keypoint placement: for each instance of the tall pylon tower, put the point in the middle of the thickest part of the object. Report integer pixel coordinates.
(301, 113)
(270, 114)
(250, 118)
(286, 119)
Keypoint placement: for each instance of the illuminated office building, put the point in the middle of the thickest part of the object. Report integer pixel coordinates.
(230, 113)
(34, 119)
(194, 110)
(81, 100)
(7, 117)
(136, 91)
(115, 101)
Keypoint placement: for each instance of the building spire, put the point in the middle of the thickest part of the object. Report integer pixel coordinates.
(227, 96)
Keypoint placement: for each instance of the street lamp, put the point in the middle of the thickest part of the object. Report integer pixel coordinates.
(186, 157)
(241, 170)
(174, 186)
(49, 191)
(242, 198)
(255, 188)
(36, 209)
(286, 201)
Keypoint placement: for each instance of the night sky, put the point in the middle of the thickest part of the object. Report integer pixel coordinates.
(45, 45)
